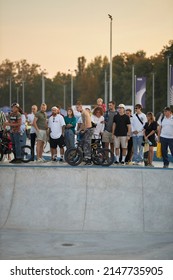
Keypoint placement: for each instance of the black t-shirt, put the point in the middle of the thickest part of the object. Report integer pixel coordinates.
(148, 128)
(121, 122)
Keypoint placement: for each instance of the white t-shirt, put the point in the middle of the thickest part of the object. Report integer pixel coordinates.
(167, 127)
(100, 126)
(30, 118)
(55, 124)
(137, 125)
(23, 124)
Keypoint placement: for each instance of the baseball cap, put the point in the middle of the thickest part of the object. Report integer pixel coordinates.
(15, 104)
(167, 109)
(121, 106)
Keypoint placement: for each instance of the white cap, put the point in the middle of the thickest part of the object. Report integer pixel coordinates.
(121, 106)
(54, 108)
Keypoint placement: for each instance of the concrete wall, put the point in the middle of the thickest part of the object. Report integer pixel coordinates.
(86, 199)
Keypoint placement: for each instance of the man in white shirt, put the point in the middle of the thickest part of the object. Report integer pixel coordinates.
(56, 126)
(165, 135)
(138, 121)
(30, 119)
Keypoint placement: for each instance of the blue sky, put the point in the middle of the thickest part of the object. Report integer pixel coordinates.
(54, 33)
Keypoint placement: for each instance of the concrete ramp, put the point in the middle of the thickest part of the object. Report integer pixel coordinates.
(86, 199)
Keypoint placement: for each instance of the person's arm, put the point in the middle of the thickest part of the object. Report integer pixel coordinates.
(129, 131)
(17, 123)
(113, 129)
(35, 124)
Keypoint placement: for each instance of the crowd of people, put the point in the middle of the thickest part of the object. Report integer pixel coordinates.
(116, 128)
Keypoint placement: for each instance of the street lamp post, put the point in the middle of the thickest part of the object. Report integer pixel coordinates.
(23, 95)
(106, 89)
(71, 71)
(10, 79)
(43, 85)
(64, 96)
(168, 80)
(133, 86)
(17, 94)
(110, 83)
(153, 91)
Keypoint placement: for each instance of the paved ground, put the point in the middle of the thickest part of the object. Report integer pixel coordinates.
(16, 244)
(89, 245)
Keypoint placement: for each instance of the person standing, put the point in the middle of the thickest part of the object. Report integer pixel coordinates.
(2, 121)
(87, 130)
(56, 126)
(30, 120)
(107, 138)
(40, 125)
(98, 119)
(150, 128)
(15, 122)
(70, 122)
(121, 132)
(129, 155)
(165, 135)
(138, 121)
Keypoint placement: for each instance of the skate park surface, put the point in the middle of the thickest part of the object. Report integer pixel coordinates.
(54, 211)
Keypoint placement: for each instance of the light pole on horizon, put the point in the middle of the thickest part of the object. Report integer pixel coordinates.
(110, 82)
(23, 95)
(71, 71)
(168, 80)
(133, 86)
(10, 80)
(153, 92)
(43, 84)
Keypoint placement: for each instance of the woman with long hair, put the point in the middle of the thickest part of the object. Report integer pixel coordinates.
(150, 128)
(70, 122)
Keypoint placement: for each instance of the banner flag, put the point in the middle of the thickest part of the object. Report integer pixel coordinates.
(171, 86)
(140, 91)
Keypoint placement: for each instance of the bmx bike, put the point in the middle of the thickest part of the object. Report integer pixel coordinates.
(99, 156)
(6, 149)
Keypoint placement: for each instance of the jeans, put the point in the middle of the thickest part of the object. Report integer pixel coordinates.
(137, 148)
(87, 143)
(23, 139)
(69, 138)
(15, 138)
(165, 143)
(33, 139)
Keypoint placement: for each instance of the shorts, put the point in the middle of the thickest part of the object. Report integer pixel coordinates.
(42, 135)
(121, 140)
(107, 137)
(57, 142)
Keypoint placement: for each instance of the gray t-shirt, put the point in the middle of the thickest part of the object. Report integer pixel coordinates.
(109, 116)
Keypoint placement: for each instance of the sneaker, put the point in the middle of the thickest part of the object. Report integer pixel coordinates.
(88, 162)
(129, 163)
(135, 163)
(116, 162)
(17, 160)
(61, 160)
(165, 166)
(54, 158)
(122, 162)
(40, 160)
(150, 165)
(13, 160)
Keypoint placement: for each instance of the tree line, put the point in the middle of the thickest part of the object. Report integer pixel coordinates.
(89, 80)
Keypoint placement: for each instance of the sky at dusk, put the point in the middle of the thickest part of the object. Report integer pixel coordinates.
(54, 33)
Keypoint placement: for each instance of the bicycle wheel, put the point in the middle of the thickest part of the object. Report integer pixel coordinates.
(108, 157)
(1, 154)
(73, 156)
(26, 153)
(98, 156)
